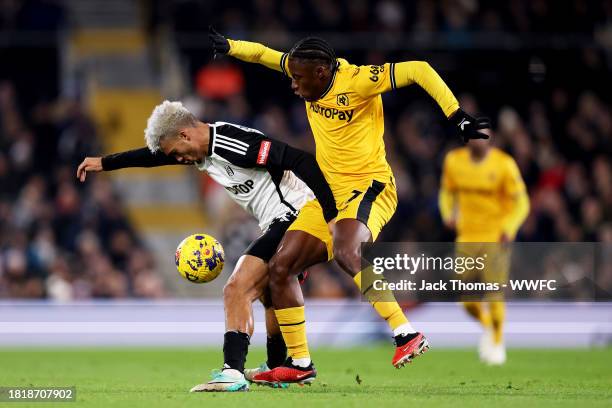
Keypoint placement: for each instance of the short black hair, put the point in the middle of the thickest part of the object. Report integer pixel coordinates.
(314, 48)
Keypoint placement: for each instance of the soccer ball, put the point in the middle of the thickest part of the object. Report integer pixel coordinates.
(199, 258)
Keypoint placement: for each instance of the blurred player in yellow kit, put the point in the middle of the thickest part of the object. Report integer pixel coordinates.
(345, 112)
(483, 198)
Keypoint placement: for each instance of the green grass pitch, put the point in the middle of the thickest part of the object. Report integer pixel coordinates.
(360, 377)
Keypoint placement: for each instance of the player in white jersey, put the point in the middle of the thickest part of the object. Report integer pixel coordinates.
(259, 174)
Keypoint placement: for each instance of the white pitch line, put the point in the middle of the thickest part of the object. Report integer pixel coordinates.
(313, 327)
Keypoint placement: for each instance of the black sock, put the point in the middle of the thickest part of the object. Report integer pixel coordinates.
(277, 351)
(235, 349)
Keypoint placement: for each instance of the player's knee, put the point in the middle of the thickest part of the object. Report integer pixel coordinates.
(266, 298)
(279, 270)
(229, 289)
(236, 288)
(349, 258)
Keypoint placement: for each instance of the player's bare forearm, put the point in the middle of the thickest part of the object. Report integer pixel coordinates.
(93, 164)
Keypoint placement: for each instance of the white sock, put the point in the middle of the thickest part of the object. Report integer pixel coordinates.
(231, 372)
(403, 330)
(301, 362)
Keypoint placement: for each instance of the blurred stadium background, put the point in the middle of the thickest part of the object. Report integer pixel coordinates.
(80, 77)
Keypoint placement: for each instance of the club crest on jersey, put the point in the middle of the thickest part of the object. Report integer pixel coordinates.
(264, 151)
(230, 171)
(342, 99)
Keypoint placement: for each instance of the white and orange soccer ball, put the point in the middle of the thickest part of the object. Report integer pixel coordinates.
(199, 258)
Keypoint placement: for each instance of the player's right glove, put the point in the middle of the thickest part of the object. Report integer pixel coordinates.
(219, 43)
(469, 126)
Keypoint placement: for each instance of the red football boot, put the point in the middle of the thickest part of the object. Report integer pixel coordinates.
(408, 347)
(287, 373)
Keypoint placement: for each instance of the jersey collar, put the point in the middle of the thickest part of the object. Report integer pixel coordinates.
(211, 138)
(331, 83)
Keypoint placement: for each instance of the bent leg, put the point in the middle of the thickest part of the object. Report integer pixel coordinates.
(348, 235)
(297, 251)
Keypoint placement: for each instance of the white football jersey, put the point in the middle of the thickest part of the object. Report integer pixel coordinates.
(266, 193)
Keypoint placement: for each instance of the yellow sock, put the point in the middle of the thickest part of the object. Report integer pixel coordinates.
(476, 310)
(498, 315)
(293, 327)
(387, 309)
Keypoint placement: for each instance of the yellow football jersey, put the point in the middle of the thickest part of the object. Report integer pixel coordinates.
(348, 126)
(347, 120)
(486, 198)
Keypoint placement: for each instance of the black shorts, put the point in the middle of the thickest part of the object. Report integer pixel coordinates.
(265, 246)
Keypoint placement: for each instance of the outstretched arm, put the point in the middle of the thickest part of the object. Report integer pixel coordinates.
(249, 52)
(375, 79)
(132, 158)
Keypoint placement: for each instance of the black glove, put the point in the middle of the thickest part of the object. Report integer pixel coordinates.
(469, 126)
(219, 43)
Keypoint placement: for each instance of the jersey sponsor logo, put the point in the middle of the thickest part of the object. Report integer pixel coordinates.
(243, 188)
(342, 100)
(375, 70)
(332, 113)
(264, 151)
(230, 171)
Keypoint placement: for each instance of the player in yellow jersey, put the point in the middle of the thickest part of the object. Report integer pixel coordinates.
(484, 199)
(345, 112)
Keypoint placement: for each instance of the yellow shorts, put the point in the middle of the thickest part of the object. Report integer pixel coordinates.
(371, 202)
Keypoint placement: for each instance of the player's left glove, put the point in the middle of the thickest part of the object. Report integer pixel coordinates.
(469, 126)
(219, 43)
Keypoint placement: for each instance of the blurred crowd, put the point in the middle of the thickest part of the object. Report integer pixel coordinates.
(283, 17)
(548, 96)
(60, 239)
